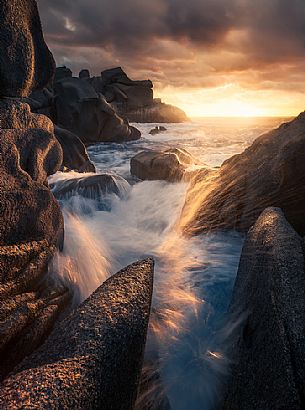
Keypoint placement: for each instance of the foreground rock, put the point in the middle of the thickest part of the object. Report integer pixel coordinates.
(93, 359)
(31, 226)
(92, 187)
(271, 172)
(30, 301)
(172, 165)
(269, 350)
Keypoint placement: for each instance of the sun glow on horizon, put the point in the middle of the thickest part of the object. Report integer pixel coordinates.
(232, 101)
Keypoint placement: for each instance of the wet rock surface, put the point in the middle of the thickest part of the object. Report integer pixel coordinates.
(270, 172)
(268, 352)
(93, 187)
(93, 358)
(170, 165)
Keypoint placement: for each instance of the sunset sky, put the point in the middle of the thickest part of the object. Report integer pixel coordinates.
(209, 57)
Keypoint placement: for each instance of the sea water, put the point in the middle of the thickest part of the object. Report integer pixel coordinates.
(194, 277)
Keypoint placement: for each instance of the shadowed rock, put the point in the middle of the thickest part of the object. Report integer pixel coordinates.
(269, 347)
(62, 72)
(75, 156)
(271, 172)
(25, 61)
(93, 358)
(84, 112)
(157, 130)
(84, 74)
(93, 187)
(171, 165)
(134, 100)
(42, 102)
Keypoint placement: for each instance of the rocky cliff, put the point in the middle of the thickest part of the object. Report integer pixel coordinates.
(134, 100)
(271, 172)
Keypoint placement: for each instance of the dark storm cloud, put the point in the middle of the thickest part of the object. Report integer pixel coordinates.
(100, 22)
(153, 35)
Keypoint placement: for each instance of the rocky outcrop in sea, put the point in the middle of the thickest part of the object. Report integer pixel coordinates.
(99, 109)
(134, 100)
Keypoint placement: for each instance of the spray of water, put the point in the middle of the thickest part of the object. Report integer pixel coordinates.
(185, 361)
(85, 262)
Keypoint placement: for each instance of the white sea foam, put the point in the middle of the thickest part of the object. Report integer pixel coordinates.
(193, 276)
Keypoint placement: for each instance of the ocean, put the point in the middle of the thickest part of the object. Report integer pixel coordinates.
(188, 334)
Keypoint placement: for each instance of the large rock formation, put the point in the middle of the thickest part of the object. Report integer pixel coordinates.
(25, 61)
(81, 110)
(271, 172)
(173, 165)
(134, 100)
(268, 354)
(93, 358)
(31, 221)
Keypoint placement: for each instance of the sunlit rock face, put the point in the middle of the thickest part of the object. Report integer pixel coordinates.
(90, 360)
(171, 165)
(271, 172)
(268, 349)
(25, 61)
